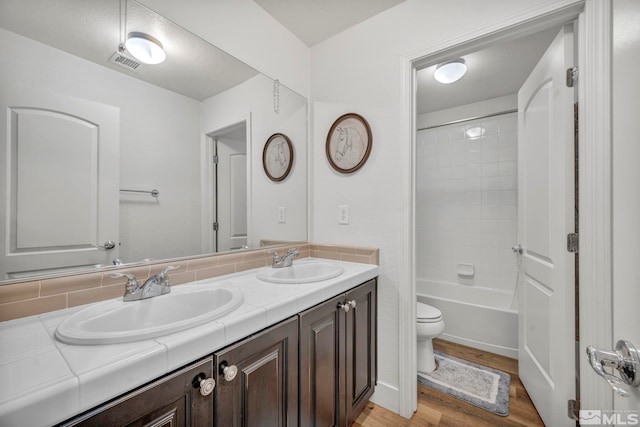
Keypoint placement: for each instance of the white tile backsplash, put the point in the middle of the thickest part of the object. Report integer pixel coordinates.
(466, 210)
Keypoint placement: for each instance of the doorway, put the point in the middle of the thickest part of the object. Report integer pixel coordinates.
(472, 110)
(229, 192)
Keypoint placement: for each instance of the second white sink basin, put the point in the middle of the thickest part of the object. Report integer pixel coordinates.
(301, 272)
(116, 321)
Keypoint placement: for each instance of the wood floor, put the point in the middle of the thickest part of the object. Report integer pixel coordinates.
(439, 409)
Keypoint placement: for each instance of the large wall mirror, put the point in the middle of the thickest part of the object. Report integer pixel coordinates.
(106, 159)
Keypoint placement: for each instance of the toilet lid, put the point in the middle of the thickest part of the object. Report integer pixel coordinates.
(426, 313)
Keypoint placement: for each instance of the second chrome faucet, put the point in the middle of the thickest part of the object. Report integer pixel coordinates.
(284, 261)
(158, 284)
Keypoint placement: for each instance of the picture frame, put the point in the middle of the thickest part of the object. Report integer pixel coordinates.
(349, 143)
(277, 157)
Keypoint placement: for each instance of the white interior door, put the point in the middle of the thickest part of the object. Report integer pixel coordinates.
(545, 217)
(232, 190)
(59, 203)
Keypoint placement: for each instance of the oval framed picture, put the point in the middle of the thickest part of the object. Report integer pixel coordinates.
(349, 143)
(277, 157)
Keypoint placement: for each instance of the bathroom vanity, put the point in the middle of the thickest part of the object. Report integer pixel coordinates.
(291, 354)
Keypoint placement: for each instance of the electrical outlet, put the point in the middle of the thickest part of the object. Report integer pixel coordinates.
(343, 214)
(282, 214)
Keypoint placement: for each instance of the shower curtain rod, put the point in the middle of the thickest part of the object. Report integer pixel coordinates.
(454, 122)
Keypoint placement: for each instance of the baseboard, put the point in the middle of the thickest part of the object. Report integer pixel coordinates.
(387, 396)
(495, 349)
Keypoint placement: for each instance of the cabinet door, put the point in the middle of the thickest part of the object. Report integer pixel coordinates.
(322, 352)
(361, 329)
(174, 400)
(264, 392)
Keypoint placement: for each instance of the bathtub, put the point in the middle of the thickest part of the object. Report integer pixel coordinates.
(473, 316)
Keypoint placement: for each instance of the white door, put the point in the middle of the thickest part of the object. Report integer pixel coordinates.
(232, 190)
(545, 217)
(59, 204)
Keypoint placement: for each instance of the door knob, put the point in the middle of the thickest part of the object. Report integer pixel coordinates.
(109, 244)
(625, 360)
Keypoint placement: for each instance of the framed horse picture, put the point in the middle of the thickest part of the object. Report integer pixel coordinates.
(349, 143)
(277, 157)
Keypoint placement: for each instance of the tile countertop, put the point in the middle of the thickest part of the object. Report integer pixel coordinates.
(44, 381)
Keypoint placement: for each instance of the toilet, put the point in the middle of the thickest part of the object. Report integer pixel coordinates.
(430, 325)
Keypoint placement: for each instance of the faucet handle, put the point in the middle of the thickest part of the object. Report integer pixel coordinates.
(132, 283)
(275, 254)
(163, 277)
(169, 267)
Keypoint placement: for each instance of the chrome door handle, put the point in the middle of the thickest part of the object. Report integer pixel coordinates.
(109, 244)
(625, 360)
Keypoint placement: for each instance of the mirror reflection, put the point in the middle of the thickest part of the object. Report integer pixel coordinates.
(108, 159)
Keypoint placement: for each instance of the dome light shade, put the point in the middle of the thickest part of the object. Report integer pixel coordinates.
(475, 132)
(145, 48)
(451, 71)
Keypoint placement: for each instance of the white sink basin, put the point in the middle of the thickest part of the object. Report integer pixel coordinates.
(301, 272)
(116, 321)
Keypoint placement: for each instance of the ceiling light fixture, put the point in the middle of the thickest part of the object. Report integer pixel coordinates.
(475, 132)
(145, 48)
(450, 71)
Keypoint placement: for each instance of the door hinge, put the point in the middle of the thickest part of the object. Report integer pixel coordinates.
(215, 226)
(573, 409)
(573, 242)
(215, 159)
(572, 76)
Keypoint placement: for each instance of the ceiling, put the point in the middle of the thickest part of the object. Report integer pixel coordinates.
(498, 70)
(492, 72)
(93, 29)
(313, 21)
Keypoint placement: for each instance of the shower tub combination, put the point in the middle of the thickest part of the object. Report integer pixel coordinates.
(477, 317)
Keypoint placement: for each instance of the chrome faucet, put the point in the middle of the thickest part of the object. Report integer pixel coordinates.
(285, 261)
(158, 284)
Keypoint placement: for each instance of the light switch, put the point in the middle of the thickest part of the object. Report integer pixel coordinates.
(343, 214)
(282, 214)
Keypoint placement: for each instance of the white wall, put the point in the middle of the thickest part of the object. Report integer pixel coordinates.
(244, 30)
(360, 70)
(159, 144)
(254, 99)
(626, 181)
(466, 203)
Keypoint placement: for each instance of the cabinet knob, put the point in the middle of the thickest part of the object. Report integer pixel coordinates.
(206, 385)
(347, 305)
(229, 371)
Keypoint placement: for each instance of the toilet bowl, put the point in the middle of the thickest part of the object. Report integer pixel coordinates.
(430, 324)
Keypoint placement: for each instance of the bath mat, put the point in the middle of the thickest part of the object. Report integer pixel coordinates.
(483, 387)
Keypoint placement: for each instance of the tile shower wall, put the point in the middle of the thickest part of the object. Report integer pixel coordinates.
(466, 208)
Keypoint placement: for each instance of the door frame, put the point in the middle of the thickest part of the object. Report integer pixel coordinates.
(594, 92)
(207, 180)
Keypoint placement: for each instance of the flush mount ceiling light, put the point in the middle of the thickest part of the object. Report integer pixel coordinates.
(450, 71)
(145, 48)
(475, 132)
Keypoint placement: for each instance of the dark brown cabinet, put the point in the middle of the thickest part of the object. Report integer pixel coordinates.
(317, 368)
(338, 357)
(175, 400)
(257, 384)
